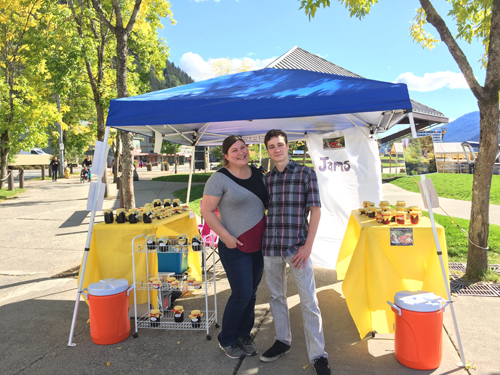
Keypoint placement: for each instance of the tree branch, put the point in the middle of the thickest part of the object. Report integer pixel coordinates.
(435, 20)
(133, 17)
(100, 13)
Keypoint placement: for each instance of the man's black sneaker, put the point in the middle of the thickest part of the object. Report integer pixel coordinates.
(232, 351)
(247, 345)
(274, 352)
(321, 366)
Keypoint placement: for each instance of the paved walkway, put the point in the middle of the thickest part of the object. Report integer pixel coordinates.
(43, 232)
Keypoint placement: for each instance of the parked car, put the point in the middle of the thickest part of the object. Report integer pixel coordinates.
(33, 151)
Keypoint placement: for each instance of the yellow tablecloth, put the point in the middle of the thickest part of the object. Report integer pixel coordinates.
(374, 271)
(110, 254)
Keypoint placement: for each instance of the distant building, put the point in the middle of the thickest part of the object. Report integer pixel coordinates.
(437, 135)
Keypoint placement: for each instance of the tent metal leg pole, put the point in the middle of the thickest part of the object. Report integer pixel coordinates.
(89, 236)
(443, 271)
(190, 175)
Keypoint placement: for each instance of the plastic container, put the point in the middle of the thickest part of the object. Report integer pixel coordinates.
(109, 310)
(172, 262)
(418, 329)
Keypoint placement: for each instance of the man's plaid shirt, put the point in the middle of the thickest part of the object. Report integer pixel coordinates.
(291, 193)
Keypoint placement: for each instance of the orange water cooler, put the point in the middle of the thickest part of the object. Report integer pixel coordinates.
(418, 329)
(109, 310)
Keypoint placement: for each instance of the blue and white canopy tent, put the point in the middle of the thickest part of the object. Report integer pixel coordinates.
(250, 103)
(305, 104)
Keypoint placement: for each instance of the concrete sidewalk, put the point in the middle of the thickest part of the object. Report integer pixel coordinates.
(44, 232)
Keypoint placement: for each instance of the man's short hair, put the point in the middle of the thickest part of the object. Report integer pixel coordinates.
(274, 133)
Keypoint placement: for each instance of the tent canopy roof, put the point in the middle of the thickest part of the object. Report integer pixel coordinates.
(251, 103)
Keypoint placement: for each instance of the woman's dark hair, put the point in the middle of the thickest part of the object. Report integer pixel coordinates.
(228, 142)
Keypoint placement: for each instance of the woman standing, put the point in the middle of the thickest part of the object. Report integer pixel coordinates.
(238, 192)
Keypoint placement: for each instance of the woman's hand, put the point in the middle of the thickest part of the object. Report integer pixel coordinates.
(231, 242)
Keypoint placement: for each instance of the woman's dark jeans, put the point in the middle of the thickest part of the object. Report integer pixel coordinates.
(244, 272)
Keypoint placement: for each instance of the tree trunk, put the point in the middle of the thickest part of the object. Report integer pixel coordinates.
(116, 163)
(127, 176)
(176, 158)
(477, 259)
(4, 155)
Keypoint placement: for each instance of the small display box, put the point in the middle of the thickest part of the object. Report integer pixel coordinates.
(172, 262)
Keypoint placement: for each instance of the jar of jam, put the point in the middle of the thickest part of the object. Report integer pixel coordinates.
(120, 215)
(401, 204)
(147, 216)
(386, 218)
(191, 280)
(162, 243)
(414, 217)
(108, 216)
(393, 216)
(178, 314)
(175, 285)
(157, 203)
(195, 317)
(151, 241)
(154, 318)
(400, 217)
(378, 215)
(176, 202)
(371, 212)
(365, 203)
(155, 282)
(166, 203)
(132, 216)
(196, 243)
(170, 280)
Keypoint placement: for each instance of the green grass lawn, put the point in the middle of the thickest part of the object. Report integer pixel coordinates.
(448, 185)
(6, 193)
(197, 177)
(456, 240)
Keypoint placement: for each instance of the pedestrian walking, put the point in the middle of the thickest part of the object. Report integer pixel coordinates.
(54, 166)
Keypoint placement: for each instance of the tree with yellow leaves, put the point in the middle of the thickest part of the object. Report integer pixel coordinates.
(25, 106)
(477, 19)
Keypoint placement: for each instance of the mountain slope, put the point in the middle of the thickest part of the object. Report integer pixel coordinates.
(464, 128)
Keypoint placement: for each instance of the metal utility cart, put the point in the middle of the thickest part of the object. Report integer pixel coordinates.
(164, 289)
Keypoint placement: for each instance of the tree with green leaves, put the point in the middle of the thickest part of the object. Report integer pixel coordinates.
(129, 21)
(480, 20)
(25, 100)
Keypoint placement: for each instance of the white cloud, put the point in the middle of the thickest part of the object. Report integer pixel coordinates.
(199, 69)
(433, 81)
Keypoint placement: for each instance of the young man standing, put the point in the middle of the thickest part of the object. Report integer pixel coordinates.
(288, 238)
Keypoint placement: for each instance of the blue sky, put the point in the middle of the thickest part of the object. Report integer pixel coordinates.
(378, 47)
